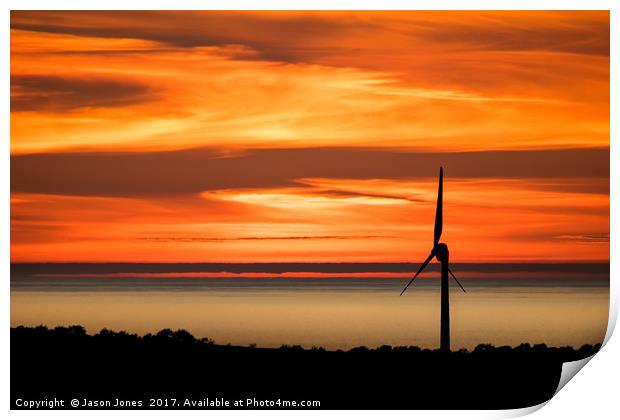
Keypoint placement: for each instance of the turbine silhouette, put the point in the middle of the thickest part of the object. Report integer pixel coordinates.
(440, 251)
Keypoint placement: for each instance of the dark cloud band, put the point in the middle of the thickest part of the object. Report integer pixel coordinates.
(192, 171)
(285, 37)
(57, 94)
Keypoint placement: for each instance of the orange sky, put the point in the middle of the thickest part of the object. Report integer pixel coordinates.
(281, 136)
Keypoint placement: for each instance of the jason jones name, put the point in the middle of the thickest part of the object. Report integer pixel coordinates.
(155, 402)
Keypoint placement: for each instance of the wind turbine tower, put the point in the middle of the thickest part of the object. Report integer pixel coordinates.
(440, 251)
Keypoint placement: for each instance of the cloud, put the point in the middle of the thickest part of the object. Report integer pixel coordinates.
(197, 170)
(61, 94)
(307, 124)
(571, 32)
(488, 219)
(346, 193)
(256, 238)
(585, 238)
(334, 82)
(275, 36)
(308, 36)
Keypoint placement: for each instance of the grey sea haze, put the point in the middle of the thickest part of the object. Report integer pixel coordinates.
(334, 305)
(281, 267)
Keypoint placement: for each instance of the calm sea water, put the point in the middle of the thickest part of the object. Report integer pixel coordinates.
(329, 305)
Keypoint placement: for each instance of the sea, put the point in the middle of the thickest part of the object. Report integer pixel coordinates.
(331, 305)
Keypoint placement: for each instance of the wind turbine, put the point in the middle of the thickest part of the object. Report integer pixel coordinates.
(440, 251)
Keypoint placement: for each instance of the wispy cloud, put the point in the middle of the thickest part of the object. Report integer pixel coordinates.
(585, 238)
(60, 94)
(257, 238)
(448, 81)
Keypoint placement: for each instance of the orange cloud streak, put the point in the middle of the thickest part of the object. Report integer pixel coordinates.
(404, 84)
(484, 220)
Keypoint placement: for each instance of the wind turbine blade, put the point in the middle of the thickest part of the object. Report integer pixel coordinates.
(459, 283)
(424, 264)
(439, 211)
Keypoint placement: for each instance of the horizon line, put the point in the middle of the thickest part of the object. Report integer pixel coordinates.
(523, 261)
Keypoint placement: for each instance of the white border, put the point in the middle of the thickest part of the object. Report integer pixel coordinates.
(593, 394)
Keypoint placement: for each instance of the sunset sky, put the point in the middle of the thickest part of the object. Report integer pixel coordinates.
(308, 136)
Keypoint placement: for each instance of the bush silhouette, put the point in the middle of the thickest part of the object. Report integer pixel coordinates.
(66, 361)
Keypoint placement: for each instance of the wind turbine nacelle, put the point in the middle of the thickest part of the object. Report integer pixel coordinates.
(441, 252)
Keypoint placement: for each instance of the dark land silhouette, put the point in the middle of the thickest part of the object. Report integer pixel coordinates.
(66, 362)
